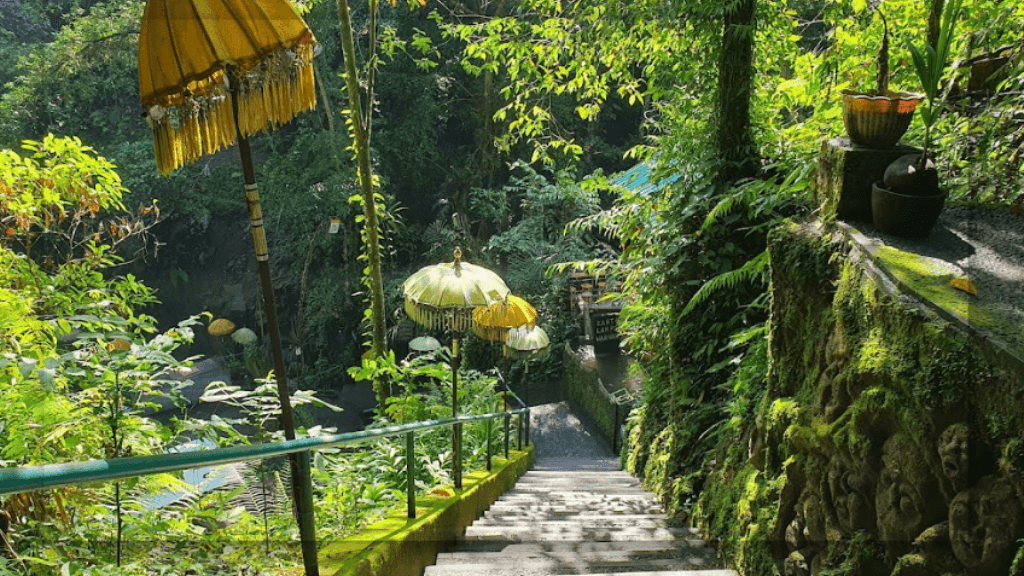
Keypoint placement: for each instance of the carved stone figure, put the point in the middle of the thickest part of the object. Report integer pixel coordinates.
(984, 525)
(907, 499)
(932, 555)
(954, 452)
(850, 492)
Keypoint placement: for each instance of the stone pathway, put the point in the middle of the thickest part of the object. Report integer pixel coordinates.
(576, 512)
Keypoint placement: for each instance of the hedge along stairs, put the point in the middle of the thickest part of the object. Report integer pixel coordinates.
(577, 516)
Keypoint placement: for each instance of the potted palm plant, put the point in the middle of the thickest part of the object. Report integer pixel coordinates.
(878, 118)
(908, 201)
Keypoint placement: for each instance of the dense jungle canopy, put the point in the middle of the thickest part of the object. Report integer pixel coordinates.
(497, 125)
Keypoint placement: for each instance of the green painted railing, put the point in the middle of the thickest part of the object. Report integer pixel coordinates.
(32, 478)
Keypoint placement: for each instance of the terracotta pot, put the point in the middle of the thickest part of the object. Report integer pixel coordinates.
(878, 121)
(902, 214)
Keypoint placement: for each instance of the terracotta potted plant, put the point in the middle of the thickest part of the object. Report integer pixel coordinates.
(878, 118)
(908, 201)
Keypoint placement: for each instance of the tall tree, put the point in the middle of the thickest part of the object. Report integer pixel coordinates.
(735, 141)
(359, 126)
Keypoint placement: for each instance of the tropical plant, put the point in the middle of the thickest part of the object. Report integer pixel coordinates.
(930, 66)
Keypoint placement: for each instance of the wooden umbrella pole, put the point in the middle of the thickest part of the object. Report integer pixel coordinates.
(302, 484)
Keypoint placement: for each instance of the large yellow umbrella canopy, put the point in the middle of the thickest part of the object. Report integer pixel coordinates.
(185, 50)
(445, 295)
(494, 321)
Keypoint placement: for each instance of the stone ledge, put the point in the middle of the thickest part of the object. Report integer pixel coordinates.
(876, 267)
(399, 546)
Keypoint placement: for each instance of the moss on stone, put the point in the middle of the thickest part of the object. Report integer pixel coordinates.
(851, 365)
(397, 545)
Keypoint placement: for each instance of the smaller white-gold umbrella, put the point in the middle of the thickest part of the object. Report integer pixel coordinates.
(527, 343)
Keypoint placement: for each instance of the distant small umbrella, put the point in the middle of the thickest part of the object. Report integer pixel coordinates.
(424, 344)
(244, 336)
(527, 342)
(221, 327)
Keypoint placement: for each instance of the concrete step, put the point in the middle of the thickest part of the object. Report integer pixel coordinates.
(694, 553)
(566, 492)
(576, 497)
(577, 521)
(567, 532)
(518, 567)
(514, 516)
(585, 481)
(583, 508)
(514, 549)
(575, 465)
(608, 560)
(559, 476)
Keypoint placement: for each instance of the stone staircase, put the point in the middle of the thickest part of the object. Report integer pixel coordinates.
(573, 516)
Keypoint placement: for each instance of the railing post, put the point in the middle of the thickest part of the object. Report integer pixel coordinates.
(410, 473)
(488, 444)
(519, 433)
(457, 431)
(507, 420)
(527, 431)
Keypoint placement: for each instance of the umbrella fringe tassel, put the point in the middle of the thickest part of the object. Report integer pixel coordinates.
(272, 92)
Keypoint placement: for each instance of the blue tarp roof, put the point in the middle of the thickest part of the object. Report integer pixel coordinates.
(638, 179)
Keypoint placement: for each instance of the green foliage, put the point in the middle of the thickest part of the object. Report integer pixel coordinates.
(82, 83)
(930, 65)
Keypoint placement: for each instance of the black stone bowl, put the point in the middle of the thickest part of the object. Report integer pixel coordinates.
(902, 214)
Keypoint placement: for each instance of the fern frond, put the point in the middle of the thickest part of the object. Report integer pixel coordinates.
(757, 266)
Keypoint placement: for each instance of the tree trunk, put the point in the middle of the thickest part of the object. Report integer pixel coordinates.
(735, 85)
(360, 134)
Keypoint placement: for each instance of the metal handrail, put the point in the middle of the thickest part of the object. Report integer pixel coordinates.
(523, 431)
(29, 478)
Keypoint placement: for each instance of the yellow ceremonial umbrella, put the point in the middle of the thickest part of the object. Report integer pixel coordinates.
(213, 72)
(211, 69)
(443, 296)
(494, 321)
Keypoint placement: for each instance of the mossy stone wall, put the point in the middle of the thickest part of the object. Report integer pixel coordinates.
(889, 442)
(896, 437)
(584, 389)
